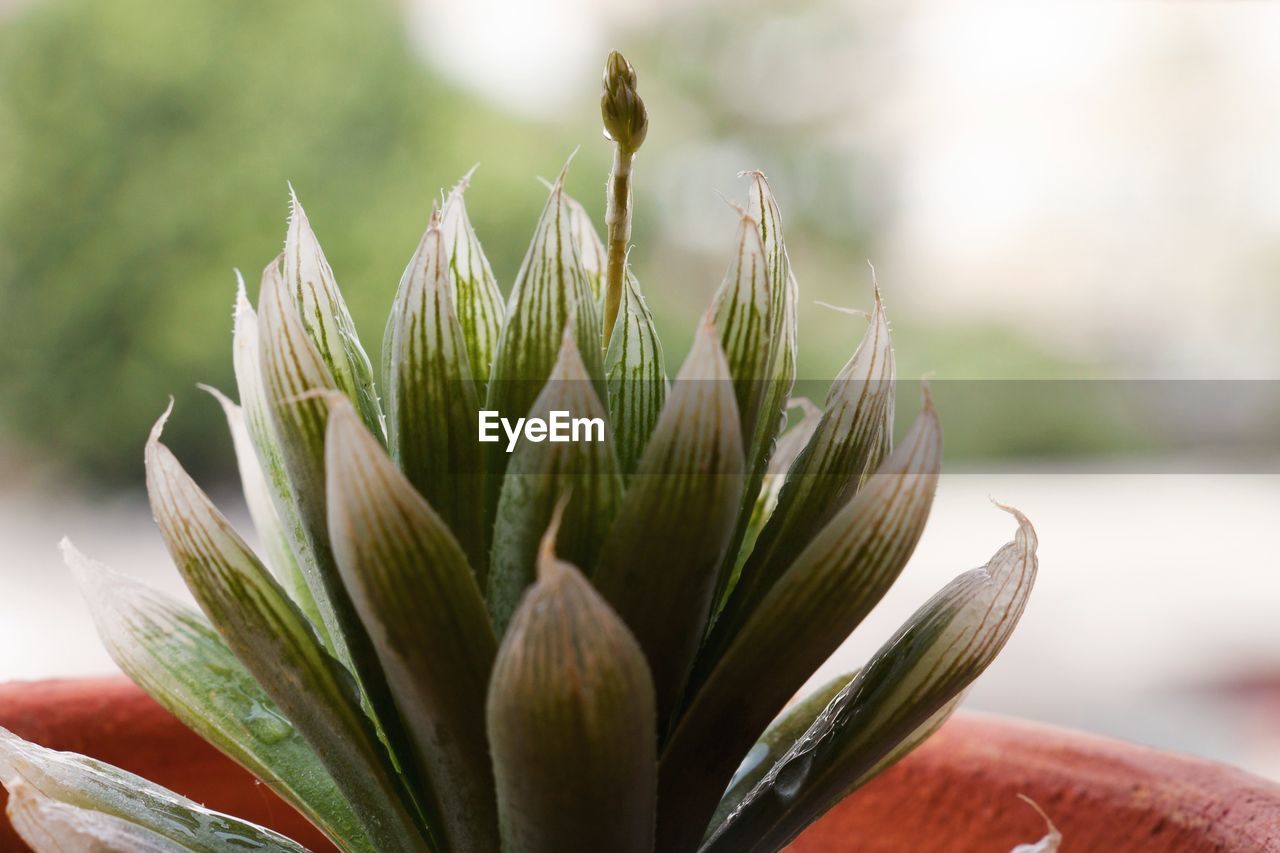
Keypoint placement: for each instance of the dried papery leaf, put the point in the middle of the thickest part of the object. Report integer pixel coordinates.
(278, 552)
(789, 446)
(260, 426)
(277, 645)
(49, 826)
(413, 588)
(539, 473)
(476, 297)
(829, 588)
(1052, 839)
(658, 567)
(591, 251)
(921, 670)
(310, 281)
(572, 722)
(431, 399)
(551, 294)
(850, 440)
(785, 730)
(635, 374)
(174, 654)
(86, 783)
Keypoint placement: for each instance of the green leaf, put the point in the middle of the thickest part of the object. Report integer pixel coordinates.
(49, 826)
(789, 447)
(783, 732)
(431, 399)
(175, 655)
(635, 374)
(571, 721)
(476, 297)
(830, 587)
(87, 784)
(310, 281)
(551, 293)
(772, 367)
(907, 686)
(591, 253)
(539, 473)
(277, 645)
(260, 426)
(851, 439)
(742, 305)
(412, 585)
(295, 382)
(258, 496)
(658, 566)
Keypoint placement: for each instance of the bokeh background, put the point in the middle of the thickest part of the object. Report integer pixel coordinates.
(1048, 191)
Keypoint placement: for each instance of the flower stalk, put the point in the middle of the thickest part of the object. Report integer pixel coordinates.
(625, 124)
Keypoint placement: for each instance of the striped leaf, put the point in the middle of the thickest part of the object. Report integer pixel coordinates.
(775, 366)
(851, 439)
(571, 721)
(789, 446)
(635, 374)
(591, 251)
(907, 686)
(742, 305)
(413, 588)
(278, 553)
(175, 655)
(431, 399)
(477, 300)
(277, 645)
(310, 281)
(49, 826)
(658, 567)
(785, 730)
(296, 382)
(551, 294)
(89, 785)
(828, 589)
(260, 425)
(539, 473)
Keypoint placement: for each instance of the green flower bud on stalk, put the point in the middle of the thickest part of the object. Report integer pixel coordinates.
(625, 124)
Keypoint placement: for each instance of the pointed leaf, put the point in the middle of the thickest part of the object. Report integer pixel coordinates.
(431, 399)
(276, 644)
(412, 586)
(742, 305)
(916, 674)
(310, 281)
(175, 655)
(571, 721)
(551, 294)
(848, 444)
(295, 383)
(260, 426)
(829, 588)
(86, 783)
(476, 297)
(591, 251)
(258, 496)
(539, 473)
(635, 374)
(658, 567)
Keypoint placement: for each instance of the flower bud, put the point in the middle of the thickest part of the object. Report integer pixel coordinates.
(625, 120)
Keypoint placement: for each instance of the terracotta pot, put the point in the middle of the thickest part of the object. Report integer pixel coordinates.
(955, 793)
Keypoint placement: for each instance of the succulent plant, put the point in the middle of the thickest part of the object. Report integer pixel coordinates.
(573, 646)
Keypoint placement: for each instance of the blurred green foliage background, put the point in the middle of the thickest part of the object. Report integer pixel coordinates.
(145, 149)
